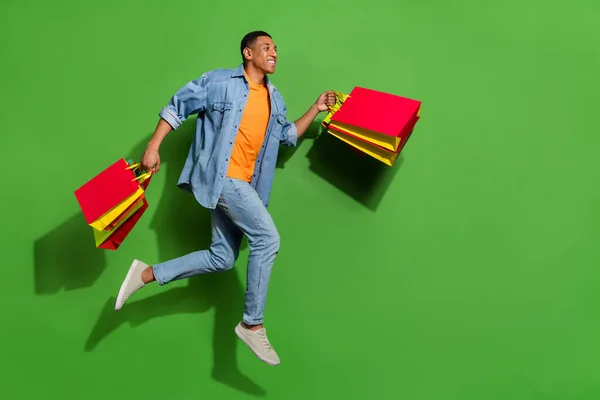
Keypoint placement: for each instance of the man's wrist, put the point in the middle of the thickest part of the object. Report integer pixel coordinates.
(314, 110)
(153, 146)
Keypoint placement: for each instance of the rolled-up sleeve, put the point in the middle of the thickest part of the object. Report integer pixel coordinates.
(190, 99)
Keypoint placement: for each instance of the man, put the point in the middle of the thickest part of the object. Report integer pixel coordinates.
(229, 169)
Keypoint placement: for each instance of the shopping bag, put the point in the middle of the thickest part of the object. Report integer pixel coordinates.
(340, 99)
(384, 155)
(113, 235)
(144, 180)
(108, 195)
(118, 235)
(125, 214)
(100, 236)
(375, 123)
(380, 118)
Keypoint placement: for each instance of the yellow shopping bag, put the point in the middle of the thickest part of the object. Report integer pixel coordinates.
(379, 153)
(100, 236)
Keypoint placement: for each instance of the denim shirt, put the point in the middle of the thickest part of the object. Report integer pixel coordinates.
(219, 98)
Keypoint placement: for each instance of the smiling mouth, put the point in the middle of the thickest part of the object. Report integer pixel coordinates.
(271, 62)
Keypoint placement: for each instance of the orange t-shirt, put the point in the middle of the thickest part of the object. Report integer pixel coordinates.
(251, 134)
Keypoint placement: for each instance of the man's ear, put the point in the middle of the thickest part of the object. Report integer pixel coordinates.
(248, 53)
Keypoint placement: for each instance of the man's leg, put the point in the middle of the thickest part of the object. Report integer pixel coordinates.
(223, 251)
(221, 255)
(241, 204)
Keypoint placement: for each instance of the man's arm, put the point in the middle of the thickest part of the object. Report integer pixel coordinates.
(304, 121)
(190, 99)
(299, 127)
(323, 102)
(151, 159)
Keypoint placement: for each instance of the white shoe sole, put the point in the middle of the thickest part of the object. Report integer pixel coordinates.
(119, 303)
(263, 359)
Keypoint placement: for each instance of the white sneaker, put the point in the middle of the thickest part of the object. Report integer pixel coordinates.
(258, 343)
(132, 283)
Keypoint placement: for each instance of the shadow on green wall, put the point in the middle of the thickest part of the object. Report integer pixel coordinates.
(57, 268)
(357, 175)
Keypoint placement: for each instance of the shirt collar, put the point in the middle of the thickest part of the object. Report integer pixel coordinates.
(239, 72)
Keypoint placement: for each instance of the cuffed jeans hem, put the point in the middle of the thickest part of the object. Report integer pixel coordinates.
(252, 321)
(157, 278)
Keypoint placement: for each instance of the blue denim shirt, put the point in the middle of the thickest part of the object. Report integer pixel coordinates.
(219, 98)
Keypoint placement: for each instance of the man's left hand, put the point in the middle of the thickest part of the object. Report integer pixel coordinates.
(325, 100)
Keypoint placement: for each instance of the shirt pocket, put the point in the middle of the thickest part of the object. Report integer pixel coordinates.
(220, 114)
(280, 125)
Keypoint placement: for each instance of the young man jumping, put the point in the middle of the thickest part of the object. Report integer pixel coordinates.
(229, 169)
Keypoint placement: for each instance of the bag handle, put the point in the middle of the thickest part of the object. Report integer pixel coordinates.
(340, 98)
(143, 177)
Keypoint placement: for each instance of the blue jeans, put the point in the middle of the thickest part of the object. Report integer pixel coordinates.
(239, 212)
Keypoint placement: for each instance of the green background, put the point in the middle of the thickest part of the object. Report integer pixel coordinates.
(467, 271)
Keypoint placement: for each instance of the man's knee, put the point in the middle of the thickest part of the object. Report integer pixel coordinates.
(272, 240)
(222, 259)
(267, 240)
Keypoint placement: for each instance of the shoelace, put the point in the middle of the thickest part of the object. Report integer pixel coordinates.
(263, 337)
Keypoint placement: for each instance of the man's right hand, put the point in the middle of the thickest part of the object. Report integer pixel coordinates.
(150, 160)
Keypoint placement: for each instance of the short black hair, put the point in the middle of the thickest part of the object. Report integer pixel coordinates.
(249, 39)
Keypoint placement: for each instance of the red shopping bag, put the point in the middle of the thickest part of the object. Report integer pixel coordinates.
(111, 237)
(114, 201)
(378, 118)
(105, 198)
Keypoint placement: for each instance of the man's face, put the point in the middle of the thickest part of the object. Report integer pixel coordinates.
(263, 54)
